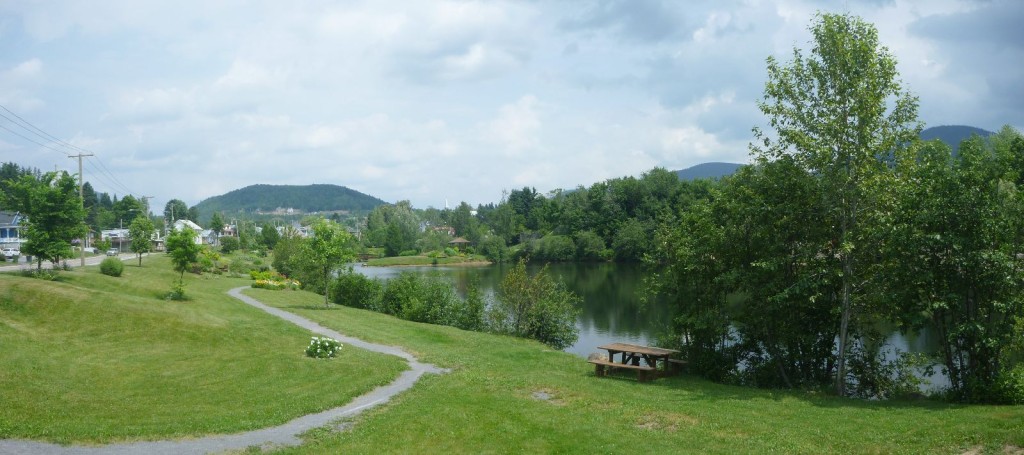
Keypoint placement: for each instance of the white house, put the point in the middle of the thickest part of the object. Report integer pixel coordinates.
(10, 229)
(196, 229)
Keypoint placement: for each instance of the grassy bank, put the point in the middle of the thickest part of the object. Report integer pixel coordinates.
(395, 261)
(513, 396)
(91, 358)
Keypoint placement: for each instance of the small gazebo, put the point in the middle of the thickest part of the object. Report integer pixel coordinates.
(459, 242)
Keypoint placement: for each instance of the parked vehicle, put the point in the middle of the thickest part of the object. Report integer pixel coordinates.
(113, 252)
(11, 252)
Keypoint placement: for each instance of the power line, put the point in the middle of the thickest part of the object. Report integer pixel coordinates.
(32, 140)
(25, 124)
(52, 142)
(111, 174)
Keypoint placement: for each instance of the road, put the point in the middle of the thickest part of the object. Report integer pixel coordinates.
(73, 262)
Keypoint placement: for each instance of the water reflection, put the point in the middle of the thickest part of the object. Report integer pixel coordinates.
(610, 310)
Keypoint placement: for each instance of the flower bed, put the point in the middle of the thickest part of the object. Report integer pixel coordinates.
(273, 281)
(323, 347)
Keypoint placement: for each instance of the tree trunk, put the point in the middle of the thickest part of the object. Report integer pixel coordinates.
(327, 287)
(844, 324)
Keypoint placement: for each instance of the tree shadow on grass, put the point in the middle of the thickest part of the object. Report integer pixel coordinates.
(700, 389)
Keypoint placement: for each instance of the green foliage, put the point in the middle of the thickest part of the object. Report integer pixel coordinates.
(473, 312)
(216, 223)
(432, 240)
(175, 210)
(630, 241)
(394, 227)
(287, 246)
(590, 247)
(112, 267)
(356, 290)
(537, 307)
(270, 236)
(553, 248)
(494, 249)
(323, 348)
(953, 259)
(420, 298)
(229, 245)
(834, 113)
(53, 214)
(102, 245)
(184, 251)
(141, 231)
(245, 264)
(318, 257)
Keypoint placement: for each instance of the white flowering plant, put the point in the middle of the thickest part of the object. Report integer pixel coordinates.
(323, 348)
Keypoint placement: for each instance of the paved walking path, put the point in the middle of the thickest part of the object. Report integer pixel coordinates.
(286, 434)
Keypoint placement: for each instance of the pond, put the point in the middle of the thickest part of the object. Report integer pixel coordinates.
(611, 309)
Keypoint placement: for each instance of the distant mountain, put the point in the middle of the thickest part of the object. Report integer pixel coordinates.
(952, 135)
(305, 198)
(708, 170)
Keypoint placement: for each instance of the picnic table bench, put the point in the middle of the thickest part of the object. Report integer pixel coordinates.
(630, 356)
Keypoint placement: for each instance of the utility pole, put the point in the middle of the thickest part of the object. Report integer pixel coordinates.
(81, 199)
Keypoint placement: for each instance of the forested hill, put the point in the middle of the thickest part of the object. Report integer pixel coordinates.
(952, 135)
(307, 198)
(708, 170)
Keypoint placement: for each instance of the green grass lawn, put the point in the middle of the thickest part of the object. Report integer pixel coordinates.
(489, 404)
(425, 260)
(91, 359)
(96, 359)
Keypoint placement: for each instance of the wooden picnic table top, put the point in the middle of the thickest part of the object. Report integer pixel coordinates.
(634, 348)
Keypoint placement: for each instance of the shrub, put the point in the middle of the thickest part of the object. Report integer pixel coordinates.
(323, 348)
(355, 290)
(494, 249)
(420, 298)
(112, 267)
(555, 248)
(229, 244)
(537, 307)
(590, 247)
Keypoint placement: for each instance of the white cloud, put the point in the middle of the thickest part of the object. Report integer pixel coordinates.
(245, 74)
(451, 99)
(517, 126)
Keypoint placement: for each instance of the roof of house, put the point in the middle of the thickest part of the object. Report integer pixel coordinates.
(459, 240)
(187, 223)
(9, 218)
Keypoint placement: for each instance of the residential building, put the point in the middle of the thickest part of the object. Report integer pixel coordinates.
(10, 229)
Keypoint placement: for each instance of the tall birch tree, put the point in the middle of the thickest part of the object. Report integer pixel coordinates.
(839, 112)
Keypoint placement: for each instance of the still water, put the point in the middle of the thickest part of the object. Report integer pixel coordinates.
(610, 309)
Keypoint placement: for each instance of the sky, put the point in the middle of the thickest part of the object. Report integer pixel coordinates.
(438, 102)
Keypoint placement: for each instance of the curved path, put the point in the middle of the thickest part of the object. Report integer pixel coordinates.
(286, 434)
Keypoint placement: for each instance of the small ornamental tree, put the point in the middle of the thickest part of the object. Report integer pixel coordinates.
(140, 232)
(184, 251)
(330, 248)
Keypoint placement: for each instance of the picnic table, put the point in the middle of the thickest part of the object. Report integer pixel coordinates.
(630, 356)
